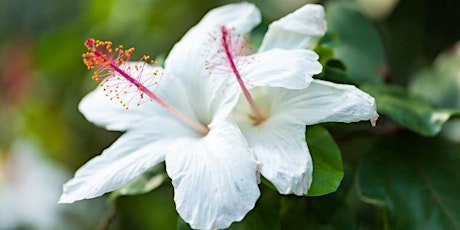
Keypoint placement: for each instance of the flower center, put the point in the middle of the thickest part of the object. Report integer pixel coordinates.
(109, 66)
(230, 46)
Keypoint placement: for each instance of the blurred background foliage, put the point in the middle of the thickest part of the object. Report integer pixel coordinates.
(395, 176)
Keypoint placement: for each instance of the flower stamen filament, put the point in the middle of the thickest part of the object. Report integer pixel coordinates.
(96, 57)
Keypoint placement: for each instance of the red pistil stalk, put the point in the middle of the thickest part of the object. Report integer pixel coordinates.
(101, 58)
(230, 54)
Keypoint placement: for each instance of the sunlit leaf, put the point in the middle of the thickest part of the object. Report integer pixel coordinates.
(414, 180)
(327, 161)
(408, 110)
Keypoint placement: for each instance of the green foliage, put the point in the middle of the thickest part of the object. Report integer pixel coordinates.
(182, 225)
(414, 180)
(333, 69)
(408, 110)
(327, 161)
(440, 85)
(360, 45)
(326, 212)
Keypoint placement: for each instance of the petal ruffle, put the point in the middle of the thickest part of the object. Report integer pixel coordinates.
(188, 57)
(297, 30)
(214, 177)
(321, 102)
(292, 69)
(281, 149)
(98, 108)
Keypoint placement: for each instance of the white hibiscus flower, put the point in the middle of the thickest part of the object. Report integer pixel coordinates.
(273, 115)
(187, 122)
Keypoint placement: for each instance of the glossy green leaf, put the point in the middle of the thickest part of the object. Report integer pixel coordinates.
(414, 180)
(360, 45)
(408, 110)
(327, 161)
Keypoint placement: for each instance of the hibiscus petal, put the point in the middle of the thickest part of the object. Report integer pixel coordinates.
(98, 108)
(132, 154)
(322, 101)
(92, 181)
(281, 148)
(214, 177)
(291, 69)
(188, 57)
(298, 30)
(204, 98)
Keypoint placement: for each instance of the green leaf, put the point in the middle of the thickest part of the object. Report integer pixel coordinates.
(182, 225)
(360, 45)
(329, 39)
(414, 180)
(145, 183)
(327, 161)
(325, 212)
(325, 54)
(408, 110)
(440, 85)
(334, 71)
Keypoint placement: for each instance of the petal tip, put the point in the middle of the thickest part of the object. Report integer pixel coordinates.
(374, 120)
(65, 199)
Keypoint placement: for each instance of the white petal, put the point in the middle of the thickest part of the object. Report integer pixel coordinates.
(98, 108)
(188, 57)
(321, 102)
(297, 30)
(214, 177)
(204, 98)
(281, 148)
(291, 69)
(92, 181)
(132, 154)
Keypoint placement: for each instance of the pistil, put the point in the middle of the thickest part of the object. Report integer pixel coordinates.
(230, 54)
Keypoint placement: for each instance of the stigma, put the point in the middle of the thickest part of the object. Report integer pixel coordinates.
(121, 79)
